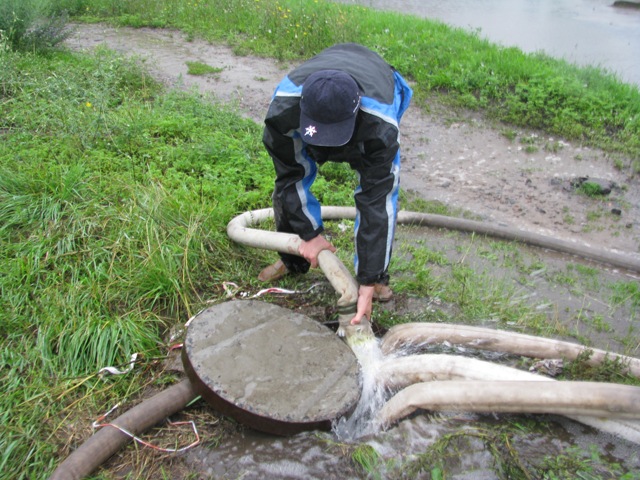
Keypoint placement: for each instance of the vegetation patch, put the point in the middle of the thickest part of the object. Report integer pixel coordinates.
(200, 68)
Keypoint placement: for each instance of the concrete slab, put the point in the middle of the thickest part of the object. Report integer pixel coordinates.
(270, 368)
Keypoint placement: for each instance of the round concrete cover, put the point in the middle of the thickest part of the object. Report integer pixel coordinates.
(268, 367)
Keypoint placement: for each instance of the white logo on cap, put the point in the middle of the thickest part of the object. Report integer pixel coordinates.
(310, 130)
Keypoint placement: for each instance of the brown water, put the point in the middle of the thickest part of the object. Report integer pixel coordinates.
(585, 32)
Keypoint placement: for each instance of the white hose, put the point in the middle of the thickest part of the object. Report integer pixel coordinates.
(400, 372)
(625, 261)
(562, 398)
(338, 275)
(498, 341)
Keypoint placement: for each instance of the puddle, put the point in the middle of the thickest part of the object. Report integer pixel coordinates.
(252, 455)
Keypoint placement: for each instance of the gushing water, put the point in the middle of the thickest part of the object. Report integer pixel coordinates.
(373, 396)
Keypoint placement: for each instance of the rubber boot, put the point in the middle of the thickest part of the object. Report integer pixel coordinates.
(382, 293)
(273, 272)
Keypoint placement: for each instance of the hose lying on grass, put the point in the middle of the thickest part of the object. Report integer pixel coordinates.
(108, 440)
(398, 373)
(480, 338)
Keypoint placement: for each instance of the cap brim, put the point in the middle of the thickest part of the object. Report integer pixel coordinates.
(326, 134)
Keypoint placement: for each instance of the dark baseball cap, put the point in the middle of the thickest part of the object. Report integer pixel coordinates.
(328, 108)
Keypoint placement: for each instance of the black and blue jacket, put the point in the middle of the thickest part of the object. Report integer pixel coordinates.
(373, 152)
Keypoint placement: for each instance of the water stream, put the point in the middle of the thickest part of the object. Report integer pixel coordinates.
(372, 398)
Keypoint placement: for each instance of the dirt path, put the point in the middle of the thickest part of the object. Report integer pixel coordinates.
(461, 161)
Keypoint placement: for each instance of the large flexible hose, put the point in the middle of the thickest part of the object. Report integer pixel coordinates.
(563, 398)
(400, 372)
(239, 229)
(341, 280)
(108, 440)
(499, 341)
(620, 260)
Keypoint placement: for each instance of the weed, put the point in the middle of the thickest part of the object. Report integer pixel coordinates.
(500, 442)
(625, 292)
(590, 189)
(200, 68)
(619, 164)
(589, 274)
(564, 278)
(33, 25)
(609, 370)
(443, 454)
(576, 463)
(554, 146)
(509, 134)
(593, 215)
(600, 324)
(367, 458)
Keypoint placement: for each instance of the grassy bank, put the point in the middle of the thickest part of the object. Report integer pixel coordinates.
(113, 203)
(115, 194)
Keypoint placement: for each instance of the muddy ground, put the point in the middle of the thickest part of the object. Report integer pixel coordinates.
(503, 175)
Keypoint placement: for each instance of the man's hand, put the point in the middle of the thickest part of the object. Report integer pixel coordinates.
(310, 249)
(364, 305)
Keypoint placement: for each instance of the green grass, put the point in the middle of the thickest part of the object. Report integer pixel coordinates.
(591, 189)
(113, 208)
(368, 459)
(115, 195)
(33, 25)
(200, 68)
(114, 200)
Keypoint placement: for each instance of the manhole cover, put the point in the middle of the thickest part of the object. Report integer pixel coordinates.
(270, 368)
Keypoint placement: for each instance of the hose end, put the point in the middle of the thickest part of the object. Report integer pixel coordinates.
(357, 333)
